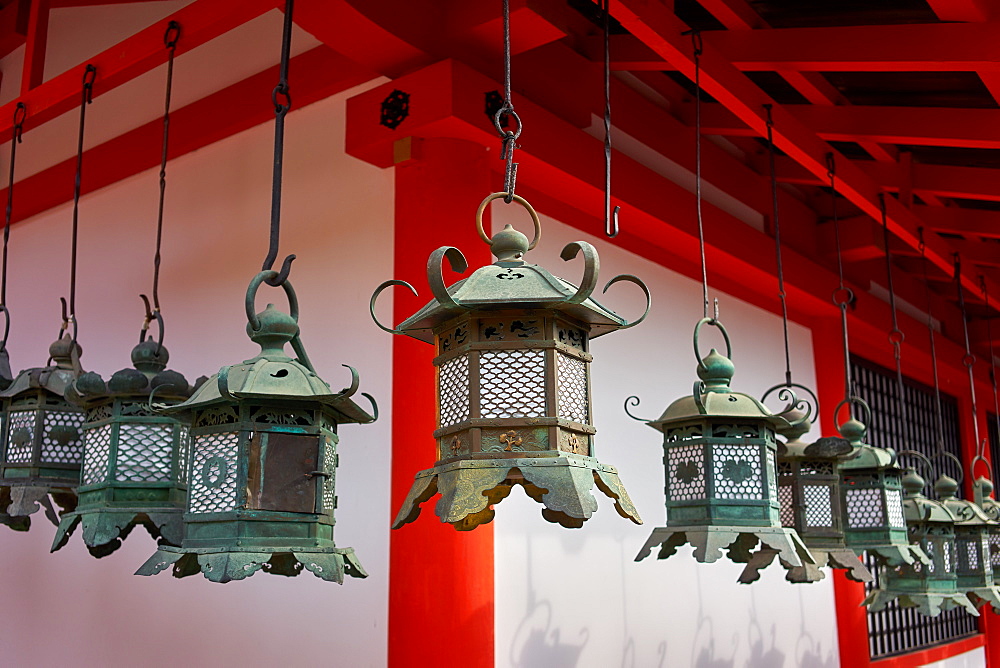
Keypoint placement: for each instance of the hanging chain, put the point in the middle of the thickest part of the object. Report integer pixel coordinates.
(777, 241)
(698, 47)
(896, 336)
(282, 101)
(170, 38)
(969, 360)
(993, 359)
(938, 414)
(610, 217)
(508, 138)
(89, 74)
(20, 112)
(843, 295)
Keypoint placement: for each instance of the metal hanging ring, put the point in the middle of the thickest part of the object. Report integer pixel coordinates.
(896, 337)
(853, 400)
(507, 109)
(151, 316)
(925, 458)
(283, 105)
(262, 277)
(968, 359)
(6, 326)
(520, 200)
(714, 322)
(843, 297)
(172, 34)
(20, 113)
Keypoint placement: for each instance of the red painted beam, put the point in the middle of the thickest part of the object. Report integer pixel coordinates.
(201, 21)
(662, 31)
(37, 30)
(319, 73)
(13, 25)
(975, 11)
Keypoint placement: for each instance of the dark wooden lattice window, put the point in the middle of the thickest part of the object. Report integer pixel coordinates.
(897, 630)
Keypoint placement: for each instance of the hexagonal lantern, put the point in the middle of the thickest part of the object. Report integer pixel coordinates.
(872, 499)
(809, 493)
(929, 587)
(972, 542)
(261, 491)
(41, 444)
(134, 459)
(514, 397)
(981, 489)
(721, 480)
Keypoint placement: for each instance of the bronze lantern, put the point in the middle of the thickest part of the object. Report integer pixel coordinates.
(262, 469)
(514, 395)
(721, 479)
(809, 493)
(930, 586)
(134, 458)
(981, 489)
(42, 446)
(972, 541)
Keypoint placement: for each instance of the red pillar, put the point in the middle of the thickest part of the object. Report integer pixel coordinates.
(852, 620)
(441, 580)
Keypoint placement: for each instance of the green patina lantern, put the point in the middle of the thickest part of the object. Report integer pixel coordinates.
(982, 488)
(930, 586)
(261, 476)
(720, 468)
(872, 498)
(134, 458)
(514, 397)
(809, 494)
(972, 541)
(42, 445)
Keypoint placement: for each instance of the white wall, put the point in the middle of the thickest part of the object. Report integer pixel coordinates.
(575, 597)
(70, 609)
(974, 659)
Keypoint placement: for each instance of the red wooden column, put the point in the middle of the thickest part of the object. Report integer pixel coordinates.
(441, 580)
(852, 621)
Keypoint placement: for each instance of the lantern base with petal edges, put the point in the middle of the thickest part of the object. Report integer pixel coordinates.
(470, 487)
(981, 596)
(807, 573)
(104, 529)
(709, 541)
(223, 565)
(929, 605)
(27, 500)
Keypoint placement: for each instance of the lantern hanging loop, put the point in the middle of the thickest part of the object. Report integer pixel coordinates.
(993, 359)
(714, 322)
(513, 198)
(20, 112)
(969, 359)
(697, 46)
(843, 296)
(851, 401)
(152, 315)
(282, 101)
(926, 460)
(610, 216)
(938, 413)
(896, 337)
(87, 96)
(508, 137)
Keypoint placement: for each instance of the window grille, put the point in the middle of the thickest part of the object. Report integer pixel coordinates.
(897, 630)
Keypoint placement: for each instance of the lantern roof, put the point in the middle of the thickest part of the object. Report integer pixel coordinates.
(794, 447)
(918, 508)
(274, 376)
(148, 373)
(64, 354)
(713, 398)
(967, 512)
(989, 505)
(867, 456)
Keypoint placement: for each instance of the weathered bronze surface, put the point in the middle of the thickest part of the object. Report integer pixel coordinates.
(41, 444)
(263, 461)
(721, 479)
(982, 488)
(514, 396)
(134, 458)
(972, 542)
(930, 586)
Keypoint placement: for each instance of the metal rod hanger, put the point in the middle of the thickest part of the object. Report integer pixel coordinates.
(896, 336)
(20, 112)
(87, 96)
(938, 413)
(610, 217)
(969, 360)
(777, 242)
(508, 137)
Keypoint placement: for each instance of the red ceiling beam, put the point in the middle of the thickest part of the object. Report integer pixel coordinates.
(13, 25)
(661, 30)
(972, 222)
(33, 68)
(201, 21)
(975, 11)
(319, 73)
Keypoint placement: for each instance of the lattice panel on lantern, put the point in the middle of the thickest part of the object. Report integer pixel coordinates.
(212, 488)
(864, 508)
(61, 443)
(787, 509)
(21, 436)
(687, 472)
(145, 453)
(571, 376)
(96, 452)
(931, 550)
(453, 389)
(894, 504)
(183, 453)
(772, 476)
(950, 554)
(995, 550)
(968, 555)
(819, 505)
(512, 383)
(736, 472)
(810, 467)
(330, 468)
